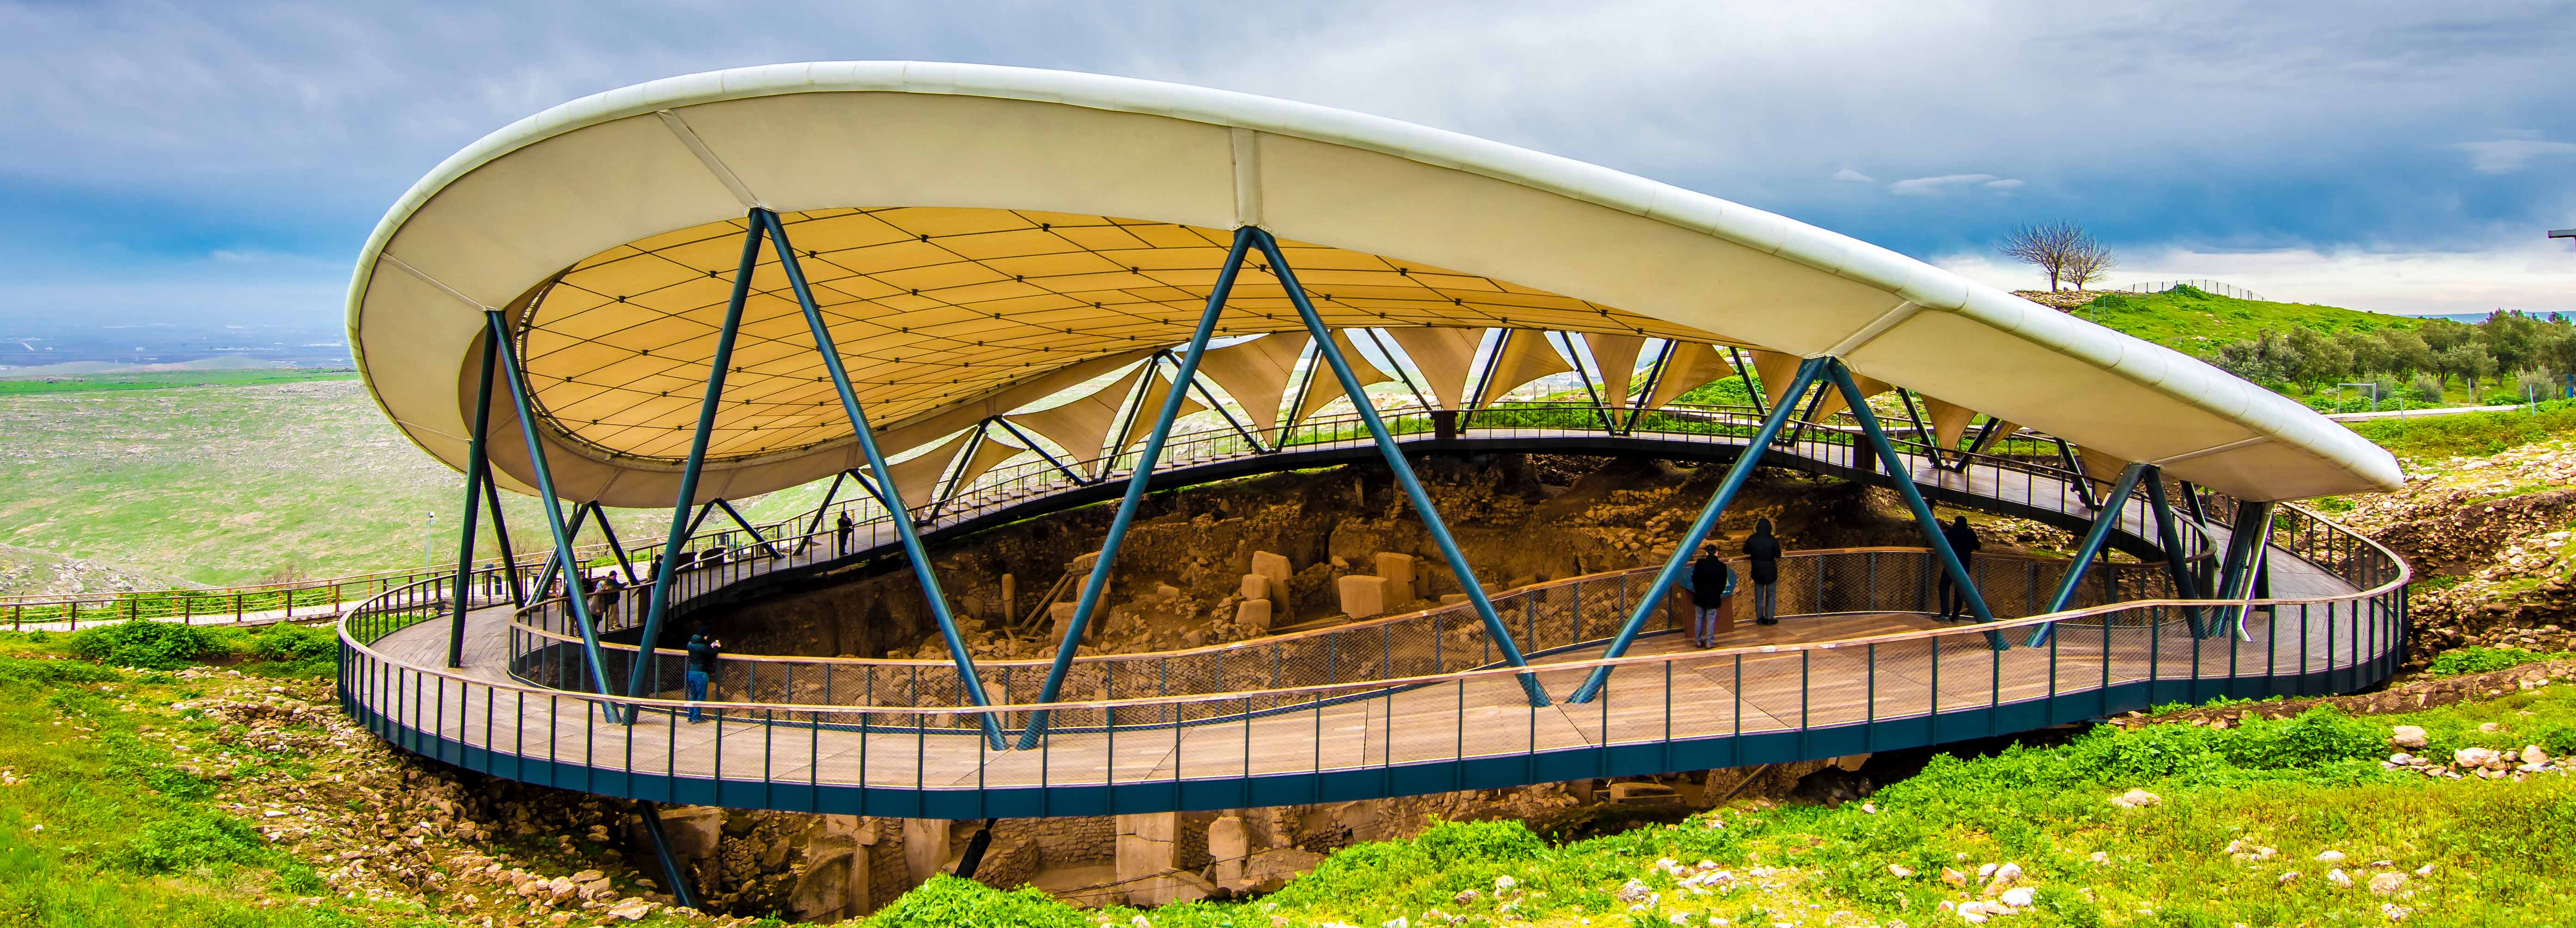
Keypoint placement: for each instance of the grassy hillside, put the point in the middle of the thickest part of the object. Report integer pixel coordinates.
(2195, 323)
(244, 483)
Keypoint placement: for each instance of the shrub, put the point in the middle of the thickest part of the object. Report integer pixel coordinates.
(144, 644)
(2482, 659)
(296, 650)
(947, 900)
(1450, 843)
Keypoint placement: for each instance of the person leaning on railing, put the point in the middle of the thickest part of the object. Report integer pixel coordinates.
(841, 533)
(1713, 612)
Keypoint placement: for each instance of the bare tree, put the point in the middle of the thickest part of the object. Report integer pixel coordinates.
(2087, 262)
(2055, 247)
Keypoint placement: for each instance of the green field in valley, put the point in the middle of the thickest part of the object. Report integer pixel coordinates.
(162, 380)
(236, 484)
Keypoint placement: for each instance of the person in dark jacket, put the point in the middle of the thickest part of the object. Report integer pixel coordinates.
(841, 531)
(1710, 581)
(703, 653)
(1763, 551)
(604, 594)
(1964, 543)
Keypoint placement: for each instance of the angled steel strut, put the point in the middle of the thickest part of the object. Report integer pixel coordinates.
(903, 526)
(2091, 548)
(1736, 475)
(1902, 478)
(478, 471)
(518, 387)
(658, 604)
(1089, 598)
(1394, 455)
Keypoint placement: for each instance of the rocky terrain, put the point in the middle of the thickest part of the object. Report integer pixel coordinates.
(1178, 578)
(2490, 539)
(28, 572)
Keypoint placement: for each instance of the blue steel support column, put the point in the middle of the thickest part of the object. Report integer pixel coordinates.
(518, 387)
(501, 533)
(822, 509)
(1902, 478)
(555, 565)
(902, 517)
(1089, 596)
(2090, 548)
(2253, 523)
(657, 604)
(2231, 569)
(2169, 534)
(1394, 455)
(662, 848)
(746, 527)
(478, 467)
(1736, 475)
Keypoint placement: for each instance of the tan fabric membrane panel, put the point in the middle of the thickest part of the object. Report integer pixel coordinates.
(1445, 356)
(1617, 357)
(1526, 356)
(1081, 426)
(1949, 420)
(957, 222)
(928, 304)
(1693, 365)
(1256, 373)
(1326, 387)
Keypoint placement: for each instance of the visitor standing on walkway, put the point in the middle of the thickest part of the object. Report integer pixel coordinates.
(604, 594)
(1963, 542)
(1711, 584)
(1763, 551)
(841, 532)
(703, 652)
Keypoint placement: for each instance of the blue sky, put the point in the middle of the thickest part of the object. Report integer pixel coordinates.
(166, 161)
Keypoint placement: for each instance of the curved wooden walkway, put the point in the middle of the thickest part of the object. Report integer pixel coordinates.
(1814, 686)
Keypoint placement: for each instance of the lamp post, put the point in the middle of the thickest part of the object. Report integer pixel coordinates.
(2568, 388)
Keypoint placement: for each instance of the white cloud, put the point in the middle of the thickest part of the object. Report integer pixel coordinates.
(1853, 176)
(2505, 156)
(1936, 186)
(2519, 271)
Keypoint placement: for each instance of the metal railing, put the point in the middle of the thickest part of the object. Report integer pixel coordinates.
(1543, 619)
(1670, 710)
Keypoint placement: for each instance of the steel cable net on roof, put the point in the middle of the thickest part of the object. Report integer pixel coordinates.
(932, 305)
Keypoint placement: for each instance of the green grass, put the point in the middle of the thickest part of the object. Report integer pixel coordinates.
(243, 484)
(2302, 785)
(105, 829)
(162, 380)
(2470, 434)
(2196, 323)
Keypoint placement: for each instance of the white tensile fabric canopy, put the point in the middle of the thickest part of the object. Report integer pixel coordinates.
(981, 238)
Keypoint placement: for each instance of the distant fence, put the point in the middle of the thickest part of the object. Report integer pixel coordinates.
(2201, 284)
